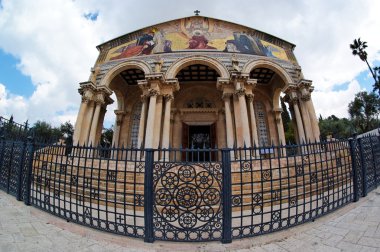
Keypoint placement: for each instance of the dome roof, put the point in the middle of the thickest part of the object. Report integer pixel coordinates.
(196, 33)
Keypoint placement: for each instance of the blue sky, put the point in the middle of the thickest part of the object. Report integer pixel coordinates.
(16, 82)
(44, 55)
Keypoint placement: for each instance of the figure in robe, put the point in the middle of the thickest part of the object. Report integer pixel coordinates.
(199, 42)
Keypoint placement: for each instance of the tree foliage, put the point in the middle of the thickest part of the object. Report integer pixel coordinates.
(364, 110)
(335, 127)
(358, 48)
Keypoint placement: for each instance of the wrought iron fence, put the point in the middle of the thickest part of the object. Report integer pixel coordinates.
(188, 194)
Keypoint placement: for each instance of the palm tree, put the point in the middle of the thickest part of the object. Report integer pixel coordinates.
(358, 48)
(376, 86)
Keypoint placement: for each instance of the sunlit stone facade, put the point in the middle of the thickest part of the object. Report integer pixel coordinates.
(196, 82)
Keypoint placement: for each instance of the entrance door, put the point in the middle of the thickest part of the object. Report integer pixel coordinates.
(198, 138)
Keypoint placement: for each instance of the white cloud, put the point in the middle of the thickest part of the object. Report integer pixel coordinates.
(335, 102)
(12, 105)
(56, 43)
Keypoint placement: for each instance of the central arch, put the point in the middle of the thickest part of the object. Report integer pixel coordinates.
(197, 59)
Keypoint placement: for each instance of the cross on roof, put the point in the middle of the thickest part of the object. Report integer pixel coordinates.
(196, 12)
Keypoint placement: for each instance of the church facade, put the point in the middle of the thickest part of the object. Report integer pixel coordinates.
(196, 82)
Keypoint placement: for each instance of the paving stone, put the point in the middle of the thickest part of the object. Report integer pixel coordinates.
(353, 236)
(369, 241)
(358, 229)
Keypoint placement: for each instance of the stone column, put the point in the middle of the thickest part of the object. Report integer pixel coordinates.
(151, 116)
(313, 119)
(244, 117)
(116, 133)
(142, 122)
(86, 125)
(306, 121)
(280, 127)
(95, 119)
(255, 138)
(166, 128)
(229, 125)
(301, 132)
(157, 122)
(79, 121)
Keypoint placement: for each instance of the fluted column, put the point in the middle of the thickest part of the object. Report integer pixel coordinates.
(166, 128)
(280, 127)
(244, 116)
(313, 119)
(306, 121)
(151, 117)
(79, 121)
(157, 123)
(255, 138)
(301, 132)
(116, 133)
(87, 122)
(99, 102)
(140, 139)
(229, 125)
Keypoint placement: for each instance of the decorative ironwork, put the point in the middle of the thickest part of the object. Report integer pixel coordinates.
(187, 202)
(189, 199)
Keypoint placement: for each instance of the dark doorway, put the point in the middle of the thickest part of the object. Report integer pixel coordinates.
(199, 139)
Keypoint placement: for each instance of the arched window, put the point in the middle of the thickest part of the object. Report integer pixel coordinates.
(262, 127)
(136, 115)
(199, 103)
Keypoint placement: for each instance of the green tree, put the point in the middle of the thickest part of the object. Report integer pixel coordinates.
(106, 137)
(335, 127)
(43, 131)
(364, 110)
(358, 48)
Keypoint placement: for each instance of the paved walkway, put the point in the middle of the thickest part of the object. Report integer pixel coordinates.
(355, 227)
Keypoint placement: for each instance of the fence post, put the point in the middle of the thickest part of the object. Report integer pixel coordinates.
(2, 139)
(20, 172)
(227, 194)
(364, 167)
(148, 196)
(352, 143)
(28, 184)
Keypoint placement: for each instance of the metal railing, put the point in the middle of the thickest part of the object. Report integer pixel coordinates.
(187, 194)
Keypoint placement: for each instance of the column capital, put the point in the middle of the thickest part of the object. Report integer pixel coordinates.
(240, 92)
(226, 96)
(168, 97)
(153, 92)
(172, 83)
(119, 116)
(250, 97)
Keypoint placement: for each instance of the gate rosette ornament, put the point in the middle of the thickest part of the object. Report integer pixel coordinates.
(187, 201)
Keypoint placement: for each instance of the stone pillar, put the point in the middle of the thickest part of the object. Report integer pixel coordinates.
(151, 117)
(79, 121)
(95, 120)
(166, 127)
(300, 130)
(280, 126)
(306, 121)
(313, 119)
(244, 117)
(140, 139)
(157, 122)
(255, 138)
(118, 122)
(229, 125)
(87, 122)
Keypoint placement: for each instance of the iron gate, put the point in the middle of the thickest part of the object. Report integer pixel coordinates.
(187, 201)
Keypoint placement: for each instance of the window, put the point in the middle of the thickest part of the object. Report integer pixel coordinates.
(136, 115)
(262, 127)
(199, 103)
